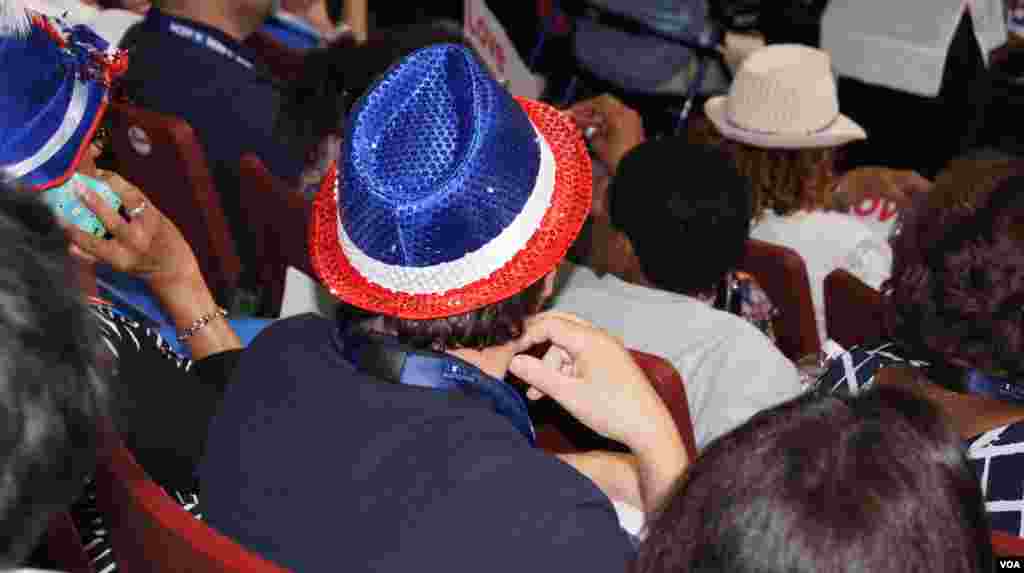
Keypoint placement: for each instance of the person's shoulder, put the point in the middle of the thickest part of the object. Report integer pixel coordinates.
(728, 328)
(740, 337)
(299, 327)
(838, 222)
(572, 276)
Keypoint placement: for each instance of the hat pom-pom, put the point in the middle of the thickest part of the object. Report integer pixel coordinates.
(14, 19)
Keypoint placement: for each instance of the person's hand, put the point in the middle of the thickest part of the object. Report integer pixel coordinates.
(736, 47)
(616, 127)
(147, 246)
(592, 375)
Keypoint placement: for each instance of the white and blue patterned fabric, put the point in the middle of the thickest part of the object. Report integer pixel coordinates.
(996, 456)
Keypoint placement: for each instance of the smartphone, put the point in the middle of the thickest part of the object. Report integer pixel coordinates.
(66, 204)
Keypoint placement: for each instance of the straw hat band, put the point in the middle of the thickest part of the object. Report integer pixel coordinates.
(474, 266)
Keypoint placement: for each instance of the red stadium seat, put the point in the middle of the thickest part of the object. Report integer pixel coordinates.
(151, 532)
(783, 275)
(279, 217)
(161, 155)
(854, 312)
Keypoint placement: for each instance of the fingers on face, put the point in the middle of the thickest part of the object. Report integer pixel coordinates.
(542, 379)
(564, 330)
(76, 252)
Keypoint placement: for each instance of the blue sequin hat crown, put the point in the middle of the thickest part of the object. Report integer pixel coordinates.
(451, 194)
(55, 90)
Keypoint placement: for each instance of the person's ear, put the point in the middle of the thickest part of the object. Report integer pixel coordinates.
(625, 259)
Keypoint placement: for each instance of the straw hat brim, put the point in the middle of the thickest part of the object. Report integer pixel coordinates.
(841, 131)
(569, 207)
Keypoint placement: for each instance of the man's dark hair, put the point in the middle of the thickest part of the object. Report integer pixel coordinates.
(685, 209)
(50, 390)
(491, 325)
(877, 482)
(314, 103)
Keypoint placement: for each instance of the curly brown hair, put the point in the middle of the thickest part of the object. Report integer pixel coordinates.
(957, 286)
(779, 177)
(966, 178)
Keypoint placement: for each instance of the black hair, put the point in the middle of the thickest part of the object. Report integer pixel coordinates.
(491, 325)
(877, 482)
(50, 390)
(686, 210)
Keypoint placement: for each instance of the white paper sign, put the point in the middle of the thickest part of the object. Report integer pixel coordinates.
(302, 294)
(488, 37)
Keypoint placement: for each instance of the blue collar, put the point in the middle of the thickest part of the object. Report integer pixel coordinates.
(203, 36)
(293, 31)
(384, 358)
(997, 387)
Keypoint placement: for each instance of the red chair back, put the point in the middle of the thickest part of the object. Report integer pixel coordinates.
(284, 62)
(64, 545)
(279, 217)
(161, 155)
(1006, 545)
(151, 532)
(562, 434)
(854, 312)
(783, 276)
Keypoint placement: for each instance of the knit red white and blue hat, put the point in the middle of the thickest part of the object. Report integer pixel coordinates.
(450, 194)
(56, 86)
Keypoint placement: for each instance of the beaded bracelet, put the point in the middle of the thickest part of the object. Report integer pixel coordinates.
(200, 323)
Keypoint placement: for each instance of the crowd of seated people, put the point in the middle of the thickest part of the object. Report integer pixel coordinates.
(442, 212)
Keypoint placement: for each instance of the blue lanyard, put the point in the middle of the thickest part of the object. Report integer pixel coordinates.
(201, 38)
(437, 371)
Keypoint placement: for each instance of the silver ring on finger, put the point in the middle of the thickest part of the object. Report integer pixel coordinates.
(136, 211)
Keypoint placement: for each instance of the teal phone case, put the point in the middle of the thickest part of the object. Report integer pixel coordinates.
(66, 204)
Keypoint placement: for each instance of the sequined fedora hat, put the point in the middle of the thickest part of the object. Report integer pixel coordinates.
(55, 89)
(450, 193)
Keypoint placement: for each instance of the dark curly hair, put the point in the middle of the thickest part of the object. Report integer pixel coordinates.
(877, 482)
(957, 286)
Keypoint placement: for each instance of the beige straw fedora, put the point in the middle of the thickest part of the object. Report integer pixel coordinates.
(783, 96)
